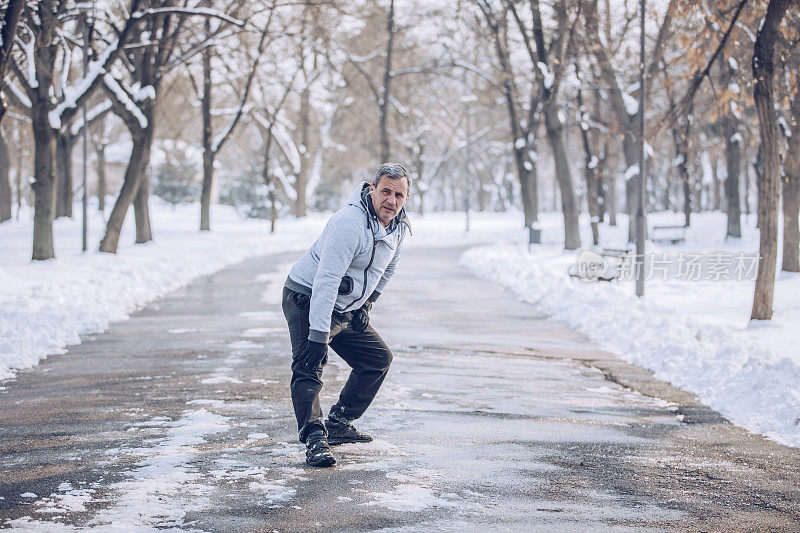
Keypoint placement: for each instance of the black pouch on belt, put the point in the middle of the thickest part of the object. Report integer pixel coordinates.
(346, 285)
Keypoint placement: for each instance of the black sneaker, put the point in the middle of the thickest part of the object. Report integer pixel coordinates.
(318, 452)
(343, 433)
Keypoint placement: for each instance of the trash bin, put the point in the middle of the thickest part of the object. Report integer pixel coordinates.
(534, 235)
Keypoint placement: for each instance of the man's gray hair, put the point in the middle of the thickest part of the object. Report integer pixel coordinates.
(393, 171)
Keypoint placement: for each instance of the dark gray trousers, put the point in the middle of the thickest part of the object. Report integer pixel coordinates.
(365, 352)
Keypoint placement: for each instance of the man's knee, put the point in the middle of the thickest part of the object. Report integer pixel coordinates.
(386, 358)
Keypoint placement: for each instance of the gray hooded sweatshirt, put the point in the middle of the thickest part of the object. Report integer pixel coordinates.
(351, 262)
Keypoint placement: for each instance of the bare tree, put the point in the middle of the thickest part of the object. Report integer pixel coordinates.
(623, 105)
(212, 144)
(791, 192)
(41, 81)
(730, 126)
(134, 99)
(523, 124)
(266, 118)
(763, 71)
(593, 184)
(549, 72)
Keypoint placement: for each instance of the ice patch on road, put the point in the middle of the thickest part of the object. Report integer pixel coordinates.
(70, 501)
(261, 316)
(273, 492)
(409, 498)
(159, 493)
(219, 379)
(262, 332)
(165, 486)
(212, 403)
(244, 345)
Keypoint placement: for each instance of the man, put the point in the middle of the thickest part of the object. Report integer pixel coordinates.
(326, 300)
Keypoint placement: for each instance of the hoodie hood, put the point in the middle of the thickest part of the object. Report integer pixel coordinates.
(360, 198)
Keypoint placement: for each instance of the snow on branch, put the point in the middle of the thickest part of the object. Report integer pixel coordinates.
(217, 142)
(288, 146)
(73, 93)
(123, 98)
(91, 115)
(28, 50)
(288, 188)
(363, 59)
(17, 94)
(204, 11)
(94, 72)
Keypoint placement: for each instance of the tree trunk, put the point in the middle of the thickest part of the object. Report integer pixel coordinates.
(758, 169)
(64, 194)
(18, 174)
(305, 160)
(383, 104)
(687, 197)
(141, 210)
(267, 178)
(208, 153)
(601, 152)
(44, 139)
(763, 68)
(680, 138)
(716, 197)
(100, 152)
(733, 158)
(791, 194)
(130, 184)
(791, 233)
(5, 184)
(205, 195)
(589, 167)
(44, 183)
(610, 192)
(569, 207)
(527, 182)
(747, 184)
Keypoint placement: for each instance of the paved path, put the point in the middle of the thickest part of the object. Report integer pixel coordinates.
(493, 417)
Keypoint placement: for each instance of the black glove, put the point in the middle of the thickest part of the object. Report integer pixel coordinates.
(360, 319)
(314, 356)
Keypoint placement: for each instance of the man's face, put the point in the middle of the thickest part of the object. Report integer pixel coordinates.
(388, 198)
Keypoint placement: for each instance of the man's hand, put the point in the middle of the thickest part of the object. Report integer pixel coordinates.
(314, 356)
(360, 319)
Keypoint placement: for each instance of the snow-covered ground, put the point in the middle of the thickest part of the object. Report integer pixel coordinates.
(691, 328)
(692, 333)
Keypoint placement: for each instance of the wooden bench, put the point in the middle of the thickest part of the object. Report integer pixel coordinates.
(612, 261)
(668, 234)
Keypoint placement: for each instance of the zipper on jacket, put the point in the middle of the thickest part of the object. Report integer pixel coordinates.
(366, 270)
(371, 259)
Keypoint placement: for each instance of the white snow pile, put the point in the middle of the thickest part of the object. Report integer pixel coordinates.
(693, 334)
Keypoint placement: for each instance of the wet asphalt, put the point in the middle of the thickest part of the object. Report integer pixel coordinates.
(493, 418)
